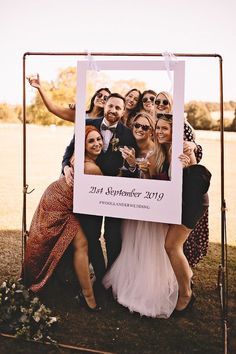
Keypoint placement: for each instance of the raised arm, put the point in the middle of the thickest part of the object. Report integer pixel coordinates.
(61, 112)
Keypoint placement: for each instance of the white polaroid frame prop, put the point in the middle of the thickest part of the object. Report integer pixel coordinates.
(130, 198)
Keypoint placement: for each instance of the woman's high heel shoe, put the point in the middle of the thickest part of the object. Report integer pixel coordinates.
(179, 313)
(82, 301)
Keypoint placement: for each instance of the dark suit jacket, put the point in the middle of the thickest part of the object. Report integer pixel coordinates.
(109, 161)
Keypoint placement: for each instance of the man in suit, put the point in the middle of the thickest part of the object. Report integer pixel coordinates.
(110, 161)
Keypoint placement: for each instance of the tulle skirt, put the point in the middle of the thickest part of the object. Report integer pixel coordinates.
(142, 278)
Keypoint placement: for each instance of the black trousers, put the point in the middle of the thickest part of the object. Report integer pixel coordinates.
(91, 225)
(112, 236)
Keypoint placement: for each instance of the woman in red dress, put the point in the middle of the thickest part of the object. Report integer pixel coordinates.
(54, 227)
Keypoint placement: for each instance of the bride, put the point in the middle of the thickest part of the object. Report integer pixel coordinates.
(142, 278)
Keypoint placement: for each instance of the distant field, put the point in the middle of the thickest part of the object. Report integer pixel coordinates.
(45, 147)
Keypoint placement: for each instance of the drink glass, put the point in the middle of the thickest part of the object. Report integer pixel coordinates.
(142, 162)
(121, 148)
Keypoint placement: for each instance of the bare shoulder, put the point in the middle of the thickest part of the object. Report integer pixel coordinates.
(90, 168)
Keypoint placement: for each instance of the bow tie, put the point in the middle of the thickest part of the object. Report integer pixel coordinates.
(105, 127)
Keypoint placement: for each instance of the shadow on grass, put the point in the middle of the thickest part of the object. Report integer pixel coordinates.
(118, 331)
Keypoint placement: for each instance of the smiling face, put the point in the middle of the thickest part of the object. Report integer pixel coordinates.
(131, 100)
(163, 131)
(162, 104)
(142, 129)
(101, 98)
(148, 102)
(114, 110)
(93, 144)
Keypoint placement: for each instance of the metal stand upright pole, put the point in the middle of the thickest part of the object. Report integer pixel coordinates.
(223, 278)
(24, 230)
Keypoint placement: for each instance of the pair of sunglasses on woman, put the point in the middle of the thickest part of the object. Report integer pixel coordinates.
(157, 102)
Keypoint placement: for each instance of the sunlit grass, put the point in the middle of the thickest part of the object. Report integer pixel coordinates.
(45, 148)
(115, 329)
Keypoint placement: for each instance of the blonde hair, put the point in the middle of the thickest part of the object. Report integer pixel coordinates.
(147, 116)
(168, 97)
(160, 153)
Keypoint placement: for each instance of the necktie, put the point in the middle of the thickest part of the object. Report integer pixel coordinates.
(105, 127)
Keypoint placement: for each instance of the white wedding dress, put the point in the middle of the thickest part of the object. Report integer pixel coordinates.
(142, 278)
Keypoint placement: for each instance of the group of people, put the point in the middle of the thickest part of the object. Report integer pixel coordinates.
(147, 266)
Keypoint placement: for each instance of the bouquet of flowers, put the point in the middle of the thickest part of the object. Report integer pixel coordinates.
(22, 314)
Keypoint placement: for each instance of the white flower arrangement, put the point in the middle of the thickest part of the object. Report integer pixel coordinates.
(22, 314)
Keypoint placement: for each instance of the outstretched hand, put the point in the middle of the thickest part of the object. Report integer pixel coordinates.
(34, 80)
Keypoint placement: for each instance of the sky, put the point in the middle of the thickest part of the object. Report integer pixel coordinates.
(150, 26)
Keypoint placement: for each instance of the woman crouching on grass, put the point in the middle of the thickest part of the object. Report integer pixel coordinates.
(54, 228)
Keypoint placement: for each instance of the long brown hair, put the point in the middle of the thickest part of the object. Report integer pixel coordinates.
(132, 112)
(101, 110)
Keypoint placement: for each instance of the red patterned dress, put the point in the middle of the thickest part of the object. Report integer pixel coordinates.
(52, 229)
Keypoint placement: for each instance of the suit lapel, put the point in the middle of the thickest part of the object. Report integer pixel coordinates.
(119, 129)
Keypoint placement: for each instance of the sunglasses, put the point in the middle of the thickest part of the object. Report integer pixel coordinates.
(164, 102)
(151, 98)
(145, 127)
(100, 95)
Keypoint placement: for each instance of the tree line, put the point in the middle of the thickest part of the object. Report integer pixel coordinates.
(63, 91)
(199, 116)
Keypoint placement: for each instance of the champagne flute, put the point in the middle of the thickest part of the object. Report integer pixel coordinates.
(121, 149)
(142, 162)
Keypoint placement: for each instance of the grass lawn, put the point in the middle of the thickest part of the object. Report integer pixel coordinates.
(118, 331)
(115, 329)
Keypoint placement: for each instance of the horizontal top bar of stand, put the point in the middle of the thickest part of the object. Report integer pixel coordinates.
(123, 54)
